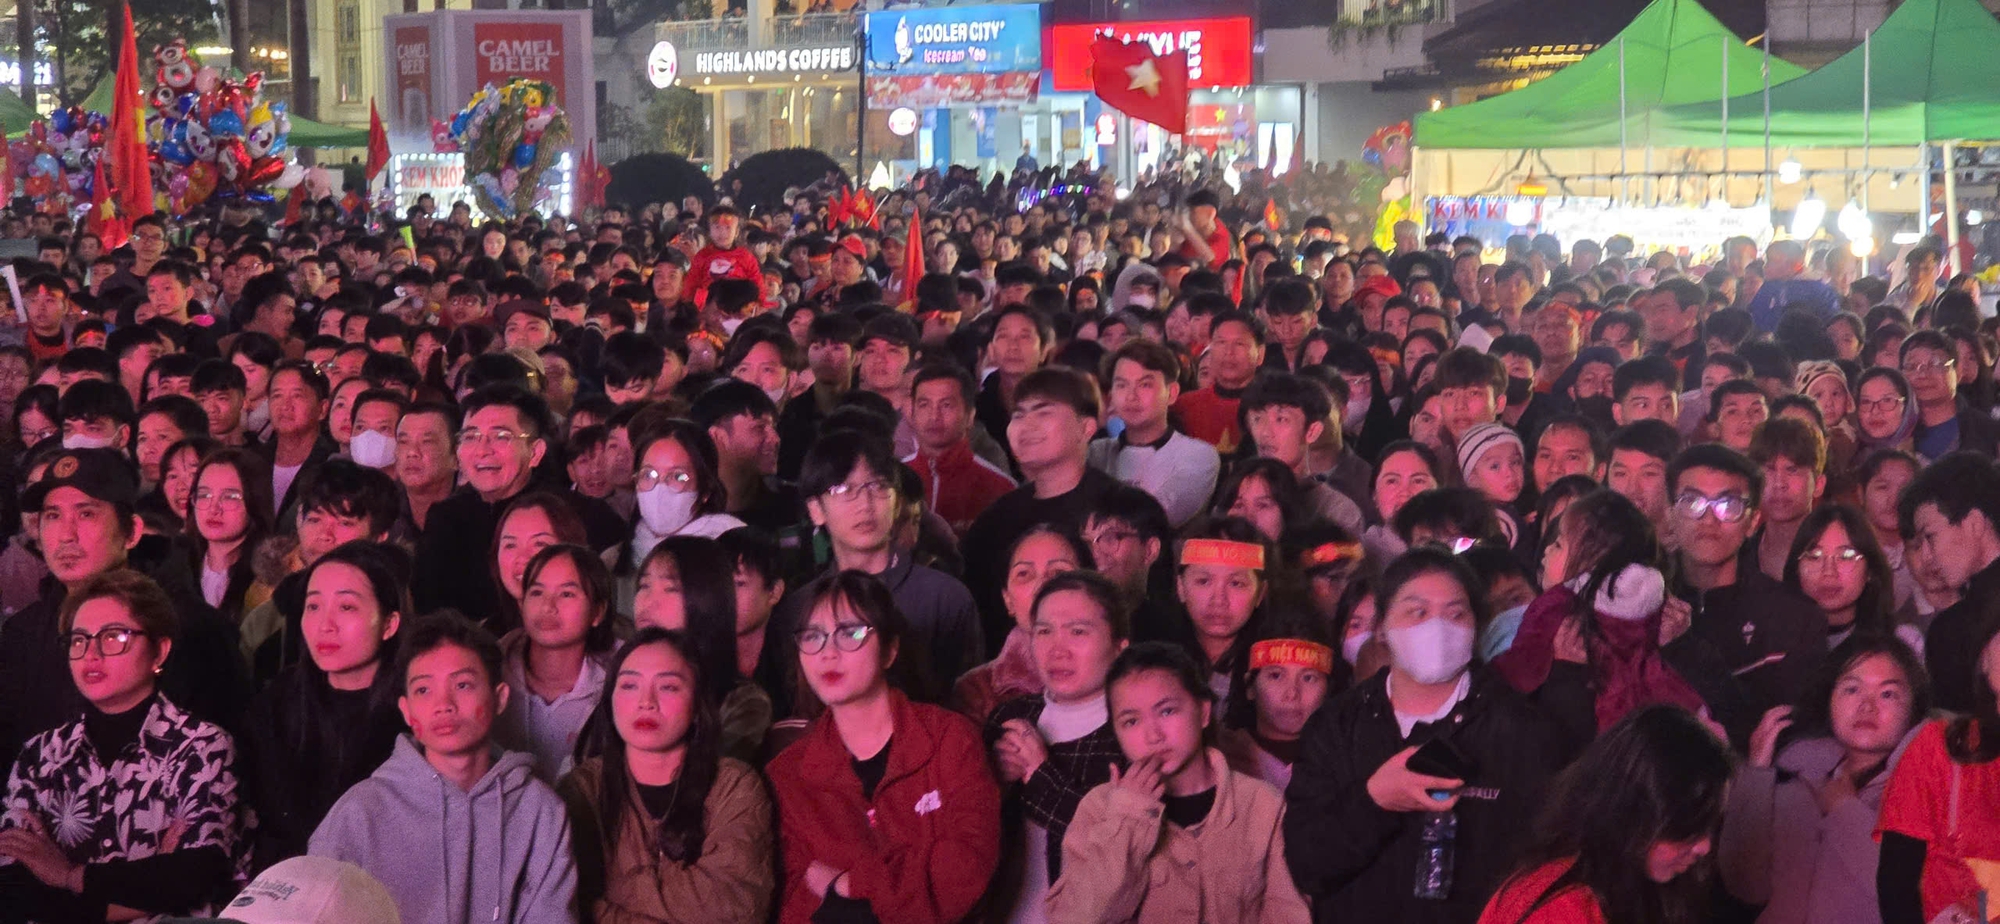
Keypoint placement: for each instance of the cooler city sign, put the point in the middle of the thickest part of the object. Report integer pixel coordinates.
(773, 61)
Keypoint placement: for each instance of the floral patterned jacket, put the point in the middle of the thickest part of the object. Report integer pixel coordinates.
(175, 788)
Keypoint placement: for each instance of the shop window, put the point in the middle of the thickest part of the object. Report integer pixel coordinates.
(349, 77)
(348, 30)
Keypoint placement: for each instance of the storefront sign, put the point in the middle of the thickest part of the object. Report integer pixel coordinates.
(1218, 49)
(1209, 124)
(440, 176)
(946, 56)
(413, 77)
(902, 121)
(519, 49)
(663, 64)
(1107, 129)
(762, 61)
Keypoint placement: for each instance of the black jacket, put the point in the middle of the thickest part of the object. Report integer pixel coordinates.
(1953, 643)
(292, 770)
(454, 566)
(1356, 861)
(1770, 637)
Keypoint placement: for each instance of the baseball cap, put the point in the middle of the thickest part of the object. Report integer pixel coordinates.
(513, 306)
(310, 890)
(1378, 285)
(102, 474)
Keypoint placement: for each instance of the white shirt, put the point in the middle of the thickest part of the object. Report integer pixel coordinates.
(282, 477)
(213, 585)
(1180, 471)
(1408, 723)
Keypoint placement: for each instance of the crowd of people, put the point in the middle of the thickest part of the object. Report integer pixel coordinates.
(1078, 560)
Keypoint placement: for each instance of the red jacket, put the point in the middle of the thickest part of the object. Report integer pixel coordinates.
(712, 263)
(958, 484)
(922, 850)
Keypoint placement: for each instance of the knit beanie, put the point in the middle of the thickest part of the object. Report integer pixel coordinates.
(1478, 439)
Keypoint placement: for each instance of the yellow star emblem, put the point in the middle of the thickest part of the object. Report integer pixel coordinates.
(1144, 77)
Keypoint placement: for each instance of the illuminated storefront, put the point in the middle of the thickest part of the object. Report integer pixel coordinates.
(792, 82)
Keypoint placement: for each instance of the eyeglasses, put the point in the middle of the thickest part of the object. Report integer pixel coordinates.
(1846, 556)
(1882, 405)
(1729, 508)
(231, 497)
(845, 637)
(852, 493)
(1934, 367)
(1113, 537)
(149, 236)
(111, 642)
(505, 439)
(650, 477)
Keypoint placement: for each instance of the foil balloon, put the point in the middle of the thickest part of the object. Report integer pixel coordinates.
(511, 136)
(214, 134)
(293, 175)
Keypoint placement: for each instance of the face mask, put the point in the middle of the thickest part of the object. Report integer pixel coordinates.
(372, 449)
(257, 418)
(1595, 407)
(1139, 300)
(1432, 651)
(1350, 650)
(665, 510)
(86, 441)
(777, 396)
(1518, 390)
(729, 325)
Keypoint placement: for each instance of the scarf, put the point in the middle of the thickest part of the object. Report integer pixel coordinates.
(1626, 669)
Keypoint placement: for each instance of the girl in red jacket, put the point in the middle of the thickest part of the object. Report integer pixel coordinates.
(887, 810)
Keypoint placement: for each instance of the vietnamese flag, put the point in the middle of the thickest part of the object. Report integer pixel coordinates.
(1149, 87)
(378, 142)
(913, 264)
(131, 167)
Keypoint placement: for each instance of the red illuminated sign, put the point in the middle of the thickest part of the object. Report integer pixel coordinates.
(1218, 49)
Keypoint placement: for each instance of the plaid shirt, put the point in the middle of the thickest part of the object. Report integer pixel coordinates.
(1049, 798)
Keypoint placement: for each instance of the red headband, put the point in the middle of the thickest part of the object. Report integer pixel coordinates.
(1223, 552)
(1281, 651)
(1330, 553)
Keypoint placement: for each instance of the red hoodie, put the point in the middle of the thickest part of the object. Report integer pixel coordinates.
(922, 850)
(712, 263)
(958, 484)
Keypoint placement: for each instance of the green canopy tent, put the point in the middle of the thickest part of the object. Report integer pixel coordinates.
(1930, 73)
(1673, 52)
(15, 115)
(306, 133)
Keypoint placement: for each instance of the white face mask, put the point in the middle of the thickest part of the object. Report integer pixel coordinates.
(777, 396)
(1350, 649)
(1139, 300)
(372, 448)
(86, 441)
(729, 325)
(1432, 651)
(666, 510)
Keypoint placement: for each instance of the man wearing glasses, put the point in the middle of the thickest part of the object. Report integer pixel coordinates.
(1767, 637)
(500, 447)
(85, 509)
(1930, 363)
(149, 247)
(850, 481)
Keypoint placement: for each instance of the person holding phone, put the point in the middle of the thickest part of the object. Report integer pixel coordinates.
(1432, 737)
(1204, 238)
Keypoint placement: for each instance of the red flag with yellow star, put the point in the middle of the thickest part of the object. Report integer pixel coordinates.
(1132, 79)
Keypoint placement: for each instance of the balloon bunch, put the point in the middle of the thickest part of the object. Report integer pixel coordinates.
(213, 135)
(511, 136)
(54, 161)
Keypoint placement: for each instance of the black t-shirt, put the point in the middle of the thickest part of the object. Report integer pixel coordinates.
(1188, 811)
(656, 799)
(871, 771)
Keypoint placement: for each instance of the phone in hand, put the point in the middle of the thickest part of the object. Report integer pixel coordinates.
(1440, 757)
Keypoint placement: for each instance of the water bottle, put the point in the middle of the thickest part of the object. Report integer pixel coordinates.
(1436, 853)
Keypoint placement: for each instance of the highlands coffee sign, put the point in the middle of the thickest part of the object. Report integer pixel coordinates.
(766, 61)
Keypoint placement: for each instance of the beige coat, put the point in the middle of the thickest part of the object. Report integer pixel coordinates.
(734, 881)
(1123, 862)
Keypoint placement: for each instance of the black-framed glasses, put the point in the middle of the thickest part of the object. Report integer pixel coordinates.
(1729, 508)
(850, 636)
(111, 642)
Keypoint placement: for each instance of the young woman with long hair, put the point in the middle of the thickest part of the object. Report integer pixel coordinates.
(1634, 851)
(328, 721)
(1836, 562)
(529, 523)
(1041, 553)
(886, 808)
(229, 514)
(1176, 835)
(1798, 834)
(688, 584)
(665, 828)
(555, 662)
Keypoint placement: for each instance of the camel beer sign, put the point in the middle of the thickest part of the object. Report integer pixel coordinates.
(437, 60)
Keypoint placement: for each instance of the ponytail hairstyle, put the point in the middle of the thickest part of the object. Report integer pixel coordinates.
(684, 825)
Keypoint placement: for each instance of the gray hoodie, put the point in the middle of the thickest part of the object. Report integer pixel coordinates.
(496, 855)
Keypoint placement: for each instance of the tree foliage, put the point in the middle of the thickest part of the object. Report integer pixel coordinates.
(765, 177)
(657, 177)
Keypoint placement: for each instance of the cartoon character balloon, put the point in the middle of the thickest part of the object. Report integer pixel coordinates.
(211, 133)
(511, 135)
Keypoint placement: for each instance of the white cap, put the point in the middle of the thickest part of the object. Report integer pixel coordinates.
(313, 890)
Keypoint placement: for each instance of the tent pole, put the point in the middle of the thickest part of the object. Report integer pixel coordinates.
(1727, 38)
(1770, 196)
(1624, 180)
(1867, 115)
(1951, 205)
(1924, 206)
